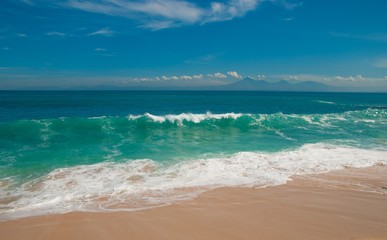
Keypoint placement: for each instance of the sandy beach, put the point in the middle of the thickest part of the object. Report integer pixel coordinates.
(347, 204)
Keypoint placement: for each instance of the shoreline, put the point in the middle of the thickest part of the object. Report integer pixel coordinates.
(344, 204)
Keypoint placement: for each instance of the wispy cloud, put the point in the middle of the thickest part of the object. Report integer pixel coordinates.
(234, 74)
(22, 35)
(198, 76)
(195, 77)
(161, 14)
(100, 50)
(378, 37)
(54, 33)
(104, 52)
(217, 75)
(338, 80)
(357, 81)
(102, 32)
(320, 78)
(286, 4)
(5, 48)
(220, 75)
(294, 78)
(356, 78)
(154, 14)
(288, 19)
(159, 25)
(229, 10)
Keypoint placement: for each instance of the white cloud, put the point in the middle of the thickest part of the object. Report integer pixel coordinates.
(234, 74)
(288, 19)
(102, 32)
(142, 79)
(324, 79)
(166, 78)
(157, 14)
(168, 9)
(199, 76)
(194, 77)
(355, 81)
(22, 35)
(100, 50)
(220, 75)
(216, 75)
(184, 77)
(286, 4)
(292, 78)
(154, 14)
(162, 14)
(159, 25)
(231, 9)
(54, 33)
(357, 78)
(261, 77)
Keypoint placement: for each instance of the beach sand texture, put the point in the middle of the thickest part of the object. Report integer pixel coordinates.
(349, 204)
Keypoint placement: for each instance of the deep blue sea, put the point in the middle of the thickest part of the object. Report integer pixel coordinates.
(64, 151)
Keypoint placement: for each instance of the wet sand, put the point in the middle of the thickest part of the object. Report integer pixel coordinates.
(349, 204)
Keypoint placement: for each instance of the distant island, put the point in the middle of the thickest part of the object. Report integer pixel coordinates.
(246, 84)
(250, 84)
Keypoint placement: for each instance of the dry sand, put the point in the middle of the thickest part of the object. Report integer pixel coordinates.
(349, 204)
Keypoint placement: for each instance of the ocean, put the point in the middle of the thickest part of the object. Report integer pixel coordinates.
(63, 151)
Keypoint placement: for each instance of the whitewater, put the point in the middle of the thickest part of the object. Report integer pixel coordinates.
(126, 151)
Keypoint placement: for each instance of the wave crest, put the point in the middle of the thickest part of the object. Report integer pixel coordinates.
(188, 117)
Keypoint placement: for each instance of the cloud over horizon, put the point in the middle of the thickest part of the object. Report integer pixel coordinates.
(234, 74)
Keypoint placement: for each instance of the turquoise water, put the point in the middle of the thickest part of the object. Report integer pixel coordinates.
(65, 151)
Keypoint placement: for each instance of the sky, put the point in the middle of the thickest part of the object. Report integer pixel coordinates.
(71, 43)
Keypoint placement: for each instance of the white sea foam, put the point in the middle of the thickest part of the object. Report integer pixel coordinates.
(189, 117)
(144, 183)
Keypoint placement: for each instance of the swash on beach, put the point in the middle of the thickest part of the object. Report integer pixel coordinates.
(109, 151)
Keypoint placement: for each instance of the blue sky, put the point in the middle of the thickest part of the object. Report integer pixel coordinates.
(67, 43)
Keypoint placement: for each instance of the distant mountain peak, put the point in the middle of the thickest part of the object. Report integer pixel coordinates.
(248, 81)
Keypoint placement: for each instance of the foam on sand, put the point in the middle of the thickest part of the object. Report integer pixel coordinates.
(143, 183)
